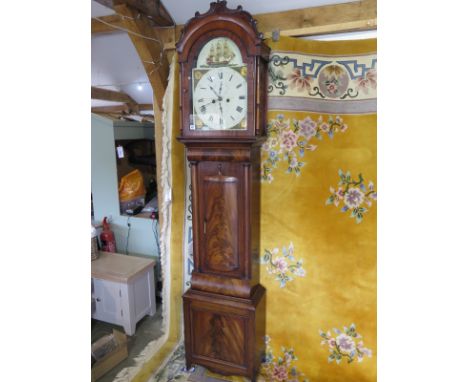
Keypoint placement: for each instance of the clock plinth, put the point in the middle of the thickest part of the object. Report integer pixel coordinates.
(225, 334)
(223, 68)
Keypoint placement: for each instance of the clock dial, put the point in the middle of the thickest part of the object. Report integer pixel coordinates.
(220, 98)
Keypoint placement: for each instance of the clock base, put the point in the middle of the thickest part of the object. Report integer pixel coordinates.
(223, 333)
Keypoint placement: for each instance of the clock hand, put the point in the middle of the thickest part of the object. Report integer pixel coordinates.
(216, 94)
(206, 104)
(221, 111)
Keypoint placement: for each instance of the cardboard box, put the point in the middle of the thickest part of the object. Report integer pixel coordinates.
(108, 351)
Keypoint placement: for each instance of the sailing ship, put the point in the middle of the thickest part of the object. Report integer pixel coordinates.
(220, 54)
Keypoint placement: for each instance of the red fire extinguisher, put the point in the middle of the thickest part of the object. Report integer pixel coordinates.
(107, 237)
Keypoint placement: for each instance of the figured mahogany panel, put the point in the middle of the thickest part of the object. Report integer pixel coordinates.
(221, 336)
(223, 333)
(220, 223)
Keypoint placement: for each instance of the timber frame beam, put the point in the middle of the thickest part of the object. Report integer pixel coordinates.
(111, 95)
(337, 18)
(150, 49)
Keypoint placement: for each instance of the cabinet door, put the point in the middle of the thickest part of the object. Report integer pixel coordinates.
(108, 301)
(221, 219)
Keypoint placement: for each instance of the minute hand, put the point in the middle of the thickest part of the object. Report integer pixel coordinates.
(214, 91)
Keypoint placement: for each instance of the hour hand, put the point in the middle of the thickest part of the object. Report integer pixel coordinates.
(214, 91)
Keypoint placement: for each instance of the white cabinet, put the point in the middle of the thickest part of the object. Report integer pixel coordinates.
(123, 289)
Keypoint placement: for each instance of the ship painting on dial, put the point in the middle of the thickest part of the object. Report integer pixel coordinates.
(219, 87)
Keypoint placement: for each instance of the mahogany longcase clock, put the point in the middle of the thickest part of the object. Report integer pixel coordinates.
(223, 66)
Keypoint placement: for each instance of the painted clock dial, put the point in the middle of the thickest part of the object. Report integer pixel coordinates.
(219, 92)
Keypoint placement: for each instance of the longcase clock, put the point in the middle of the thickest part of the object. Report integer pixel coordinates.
(223, 66)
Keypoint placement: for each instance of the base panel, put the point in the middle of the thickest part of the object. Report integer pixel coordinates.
(225, 334)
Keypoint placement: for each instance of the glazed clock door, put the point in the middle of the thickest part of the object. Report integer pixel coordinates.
(222, 231)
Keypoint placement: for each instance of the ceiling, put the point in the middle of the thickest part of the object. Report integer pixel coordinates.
(115, 64)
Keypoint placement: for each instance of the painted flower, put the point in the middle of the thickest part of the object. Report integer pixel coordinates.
(288, 140)
(281, 368)
(345, 343)
(333, 81)
(282, 264)
(362, 351)
(293, 162)
(299, 81)
(354, 197)
(369, 80)
(308, 128)
(344, 346)
(332, 86)
(324, 127)
(371, 76)
(280, 373)
(353, 193)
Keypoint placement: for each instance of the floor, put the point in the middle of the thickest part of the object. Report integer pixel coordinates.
(174, 371)
(147, 329)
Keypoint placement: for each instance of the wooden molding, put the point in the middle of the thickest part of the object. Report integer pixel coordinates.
(347, 17)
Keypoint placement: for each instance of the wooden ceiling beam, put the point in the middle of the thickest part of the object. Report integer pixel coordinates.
(149, 49)
(103, 24)
(110, 95)
(124, 108)
(338, 18)
(153, 9)
(114, 96)
(347, 17)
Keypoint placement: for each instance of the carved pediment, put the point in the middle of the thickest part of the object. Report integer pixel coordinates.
(219, 8)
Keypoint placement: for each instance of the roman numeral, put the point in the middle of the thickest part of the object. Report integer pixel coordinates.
(203, 109)
(233, 118)
(220, 121)
(242, 97)
(238, 86)
(203, 88)
(210, 79)
(239, 109)
(211, 118)
(220, 74)
(201, 100)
